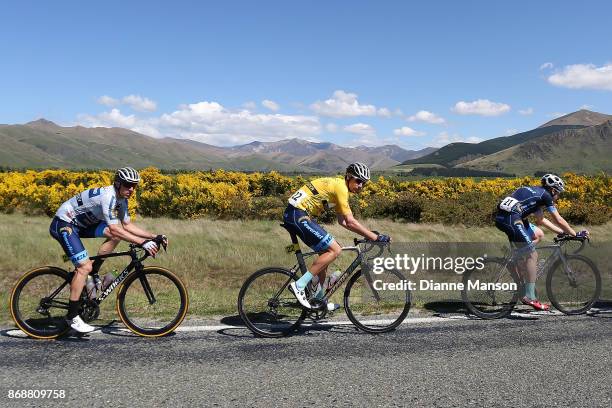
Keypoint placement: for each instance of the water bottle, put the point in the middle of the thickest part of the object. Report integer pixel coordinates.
(333, 278)
(107, 280)
(90, 286)
(97, 282)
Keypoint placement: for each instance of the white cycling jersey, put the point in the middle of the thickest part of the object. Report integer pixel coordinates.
(93, 206)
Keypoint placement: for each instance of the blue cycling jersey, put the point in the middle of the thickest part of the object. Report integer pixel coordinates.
(527, 200)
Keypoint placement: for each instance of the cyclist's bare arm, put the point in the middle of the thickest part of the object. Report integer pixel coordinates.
(118, 231)
(135, 230)
(350, 223)
(545, 222)
(560, 221)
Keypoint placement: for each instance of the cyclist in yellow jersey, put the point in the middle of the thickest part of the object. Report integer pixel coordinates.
(311, 200)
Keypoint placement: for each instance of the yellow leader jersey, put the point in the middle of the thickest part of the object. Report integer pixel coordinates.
(330, 191)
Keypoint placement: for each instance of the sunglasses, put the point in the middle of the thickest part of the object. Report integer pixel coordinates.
(360, 181)
(129, 185)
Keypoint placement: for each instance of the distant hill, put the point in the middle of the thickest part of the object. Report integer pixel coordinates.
(43, 144)
(456, 153)
(582, 117)
(585, 150)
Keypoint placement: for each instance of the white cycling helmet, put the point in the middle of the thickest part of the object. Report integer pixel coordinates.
(359, 170)
(127, 175)
(553, 181)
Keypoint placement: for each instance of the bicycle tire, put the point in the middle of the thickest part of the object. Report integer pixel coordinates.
(267, 307)
(380, 303)
(143, 316)
(577, 297)
(27, 303)
(490, 304)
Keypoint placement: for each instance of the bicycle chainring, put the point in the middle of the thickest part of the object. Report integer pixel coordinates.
(318, 310)
(91, 311)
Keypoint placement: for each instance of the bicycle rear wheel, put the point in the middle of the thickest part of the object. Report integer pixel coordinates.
(500, 292)
(39, 302)
(153, 302)
(573, 290)
(266, 305)
(373, 305)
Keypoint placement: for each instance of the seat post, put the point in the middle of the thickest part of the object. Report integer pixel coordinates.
(297, 251)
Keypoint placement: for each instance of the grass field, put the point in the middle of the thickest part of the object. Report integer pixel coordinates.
(213, 258)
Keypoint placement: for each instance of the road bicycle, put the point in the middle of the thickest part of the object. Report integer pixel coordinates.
(573, 282)
(269, 309)
(151, 301)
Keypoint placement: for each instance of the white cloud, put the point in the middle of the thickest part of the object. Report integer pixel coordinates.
(583, 76)
(384, 112)
(115, 118)
(426, 116)
(510, 132)
(587, 107)
(249, 105)
(108, 101)
(528, 111)
(331, 127)
(483, 107)
(273, 106)
(546, 65)
(136, 102)
(362, 129)
(344, 104)
(445, 138)
(139, 103)
(210, 122)
(407, 131)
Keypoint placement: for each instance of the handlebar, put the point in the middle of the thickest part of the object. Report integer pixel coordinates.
(158, 240)
(567, 237)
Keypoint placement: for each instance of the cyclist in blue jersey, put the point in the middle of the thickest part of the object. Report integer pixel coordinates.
(96, 213)
(512, 219)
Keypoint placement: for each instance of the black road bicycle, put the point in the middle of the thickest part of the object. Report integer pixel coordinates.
(573, 282)
(151, 301)
(371, 301)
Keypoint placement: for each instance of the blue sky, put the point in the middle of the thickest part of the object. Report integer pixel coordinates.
(350, 72)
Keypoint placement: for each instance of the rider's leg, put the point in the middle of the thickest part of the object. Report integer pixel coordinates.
(110, 244)
(76, 287)
(319, 266)
(531, 267)
(536, 234)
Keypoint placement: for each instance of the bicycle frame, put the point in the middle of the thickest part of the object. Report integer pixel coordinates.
(348, 272)
(557, 253)
(135, 264)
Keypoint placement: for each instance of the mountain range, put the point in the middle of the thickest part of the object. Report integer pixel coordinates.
(43, 144)
(580, 141)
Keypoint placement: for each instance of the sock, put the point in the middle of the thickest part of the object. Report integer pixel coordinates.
(73, 309)
(530, 290)
(320, 293)
(303, 281)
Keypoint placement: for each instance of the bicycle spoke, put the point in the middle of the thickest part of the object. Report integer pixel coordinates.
(267, 306)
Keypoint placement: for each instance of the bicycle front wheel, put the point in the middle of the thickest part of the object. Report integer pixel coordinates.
(39, 302)
(153, 302)
(573, 287)
(377, 303)
(266, 305)
(490, 292)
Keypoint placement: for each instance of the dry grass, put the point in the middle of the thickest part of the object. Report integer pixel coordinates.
(212, 257)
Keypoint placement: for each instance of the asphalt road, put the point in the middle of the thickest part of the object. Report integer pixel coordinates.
(531, 361)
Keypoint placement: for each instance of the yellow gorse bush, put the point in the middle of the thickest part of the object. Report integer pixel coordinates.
(231, 194)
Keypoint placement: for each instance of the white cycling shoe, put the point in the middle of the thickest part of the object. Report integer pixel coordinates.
(79, 325)
(300, 295)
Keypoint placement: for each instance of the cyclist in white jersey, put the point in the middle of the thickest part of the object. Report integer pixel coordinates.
(95, 213)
